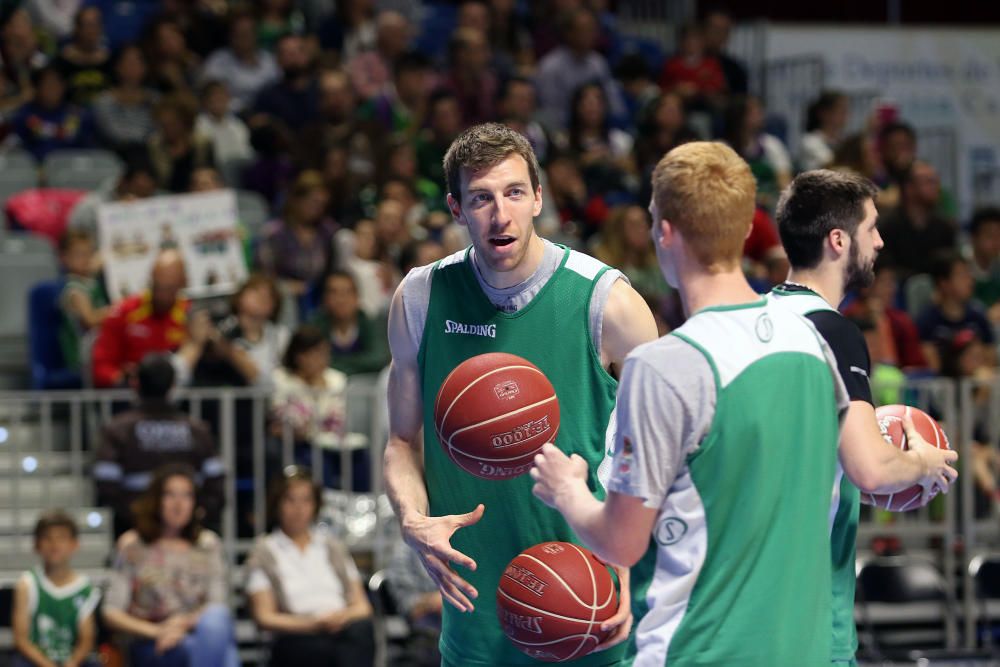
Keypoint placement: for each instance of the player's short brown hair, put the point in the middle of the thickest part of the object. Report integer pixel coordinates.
(55, 519)
(486, 145)
(706, 191)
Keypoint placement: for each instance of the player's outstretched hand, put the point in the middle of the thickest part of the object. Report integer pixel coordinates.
(621, 622)
(557, 476)
(938, 473)
(430, 537)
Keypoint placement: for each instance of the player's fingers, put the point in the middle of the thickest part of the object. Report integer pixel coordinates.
(459, 585)
(447, 554)
(618, 636)
(449, 583)
(950, 456)
(951, 473)
(469, 518)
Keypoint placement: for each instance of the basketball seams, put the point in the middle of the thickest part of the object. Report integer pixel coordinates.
(561, 581)
(539, 610)
(499, 417)
(482, 377)
(593, 596)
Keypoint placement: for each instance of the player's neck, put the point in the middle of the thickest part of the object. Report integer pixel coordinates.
(701, 289)
(60, 575)
(525, 268)
(827, 281)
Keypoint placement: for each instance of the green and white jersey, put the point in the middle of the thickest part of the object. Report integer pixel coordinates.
(554, 329)
(849, 348)
(55, 612)
(729, 427)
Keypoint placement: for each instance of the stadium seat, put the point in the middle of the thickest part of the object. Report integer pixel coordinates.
(985, 572)
(25, 260)
(48, 369)
(14, 179)
(906, 609)
(391, 628)
(81, 169)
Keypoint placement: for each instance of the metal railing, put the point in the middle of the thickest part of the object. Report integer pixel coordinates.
(789, 86)
(47, 441)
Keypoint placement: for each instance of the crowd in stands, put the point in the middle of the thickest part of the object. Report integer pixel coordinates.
(339, 118)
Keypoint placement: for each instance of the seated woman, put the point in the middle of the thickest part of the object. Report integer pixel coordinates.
(168, 587)
(304, 586)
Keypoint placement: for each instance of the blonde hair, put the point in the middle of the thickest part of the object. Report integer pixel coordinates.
(707, 192)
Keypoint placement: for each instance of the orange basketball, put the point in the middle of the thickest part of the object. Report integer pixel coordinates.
(890, 422)
(493, 412)
(552, 599)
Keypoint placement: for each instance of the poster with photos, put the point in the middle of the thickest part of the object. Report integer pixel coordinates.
(202, 226)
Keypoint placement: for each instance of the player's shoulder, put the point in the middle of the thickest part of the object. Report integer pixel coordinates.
(668, 357)
(584, 265)
(836, 329)
(419, 278)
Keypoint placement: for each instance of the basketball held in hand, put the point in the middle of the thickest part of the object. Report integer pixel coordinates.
(493, 413)
(890, 422)
(552, 599)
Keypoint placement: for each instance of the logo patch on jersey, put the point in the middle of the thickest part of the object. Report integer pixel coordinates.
(625, 466)
(506, 390)
(670, 530)
(486, 330)
(764, 328)
(520, 433)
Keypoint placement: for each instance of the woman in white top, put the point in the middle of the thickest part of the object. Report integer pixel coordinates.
(304, 586)
(826, 119)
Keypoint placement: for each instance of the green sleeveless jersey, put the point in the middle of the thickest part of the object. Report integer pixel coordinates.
(552, 331)
(740, 544)
(55, 613)
(845, 509)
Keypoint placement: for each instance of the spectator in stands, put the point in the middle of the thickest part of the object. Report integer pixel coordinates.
(54, 18)
(858, 154)
(138, 181)
(228, 135)
(360, 253)
(470, 76)
(297, 250)
(155, 432)
(243, 65)
(336, 123)
(571, 65)
(304, 586)
(580, 213)
(169, 582)
(625, 244)
(604, 153)
(984, 257)
(50, 122)
(826, 119)
(716, 28)
(953, 310)
(398, 162)
(358, 343)
(401, 105)
(175, 149)
(124, 114)
(206, 179)
(896, 333)
(913, 230)
(350, 30)
(155, 320)
(371, 71)
(308, 394)
(293, 98)
(518, 109)
(83, 303)
(767, 155)
(53, 614)
(897, 145)
(692, 73)
(273, 169)
(173, 67)
(391, 230)
(638, 88)
(276, 18)
(342, 185)
(509, 37)
(418, 599)
(250, 341)
(444, 122)
(85, 60)
(20, 55)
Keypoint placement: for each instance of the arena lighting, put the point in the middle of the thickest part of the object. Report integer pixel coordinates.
(94, 519)
(29, 464)
(3, 435)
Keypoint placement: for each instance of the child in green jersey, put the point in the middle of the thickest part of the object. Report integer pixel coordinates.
(53, 618)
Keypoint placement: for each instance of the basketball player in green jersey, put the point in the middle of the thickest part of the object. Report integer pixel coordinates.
(725, 450)
(828, 225)
(514, 292)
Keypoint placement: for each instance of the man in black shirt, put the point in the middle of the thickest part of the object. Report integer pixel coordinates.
(827, 221)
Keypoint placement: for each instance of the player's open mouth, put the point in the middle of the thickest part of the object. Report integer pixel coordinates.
(500, 241)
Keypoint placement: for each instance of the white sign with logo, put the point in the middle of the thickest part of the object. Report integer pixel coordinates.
(938, 77)
(201, 226)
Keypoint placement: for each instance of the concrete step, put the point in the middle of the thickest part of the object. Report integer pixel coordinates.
(44, 492)
(40, 463)
(90, 520)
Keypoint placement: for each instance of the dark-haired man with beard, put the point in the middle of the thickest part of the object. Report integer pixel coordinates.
(828, 225)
